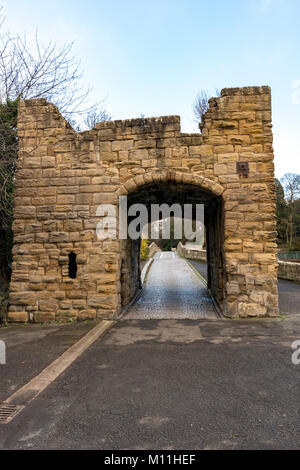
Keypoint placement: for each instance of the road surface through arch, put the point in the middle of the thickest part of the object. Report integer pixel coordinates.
(172, 291)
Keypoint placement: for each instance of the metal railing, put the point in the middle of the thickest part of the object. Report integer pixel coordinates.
(288, 255)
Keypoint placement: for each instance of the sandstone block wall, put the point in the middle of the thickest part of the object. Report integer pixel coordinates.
(153, 248)
(289, 271)
(63, 176)
(191, 253)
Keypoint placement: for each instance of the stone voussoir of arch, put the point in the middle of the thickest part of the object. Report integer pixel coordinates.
(138, 181)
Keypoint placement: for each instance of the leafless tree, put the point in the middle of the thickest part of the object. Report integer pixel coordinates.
(291, 185)
(92, 117)
(41, 70)
(28, 71)
(201, 104)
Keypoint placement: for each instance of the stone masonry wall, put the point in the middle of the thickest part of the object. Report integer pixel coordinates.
(289, 271)
(191, 252)
(63, 176)
(153, 248)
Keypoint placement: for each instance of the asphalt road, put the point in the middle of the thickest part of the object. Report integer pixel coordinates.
(164, 384)
(31, 348)
(171, 384)
(172, 290)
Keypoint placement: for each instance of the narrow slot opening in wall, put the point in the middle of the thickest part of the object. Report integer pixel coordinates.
(72, 265)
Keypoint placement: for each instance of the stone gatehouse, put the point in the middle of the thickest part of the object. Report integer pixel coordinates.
(62, 271)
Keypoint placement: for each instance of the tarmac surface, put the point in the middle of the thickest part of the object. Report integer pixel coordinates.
(160, 384)
(172, 290)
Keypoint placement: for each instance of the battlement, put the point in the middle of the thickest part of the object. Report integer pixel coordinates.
(248, 90)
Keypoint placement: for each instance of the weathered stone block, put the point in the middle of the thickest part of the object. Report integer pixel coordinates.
(22, 298)
(138, 154)
(87, 314)
(102, 301)
(65, 199)
(48, 306)
(122, 145)
(18, 317)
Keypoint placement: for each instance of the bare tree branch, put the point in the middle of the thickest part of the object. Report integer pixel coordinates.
(94, 116)
(291, 185)
(29, 71)
(201, 104)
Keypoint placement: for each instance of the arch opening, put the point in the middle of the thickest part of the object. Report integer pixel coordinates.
(170, 193)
